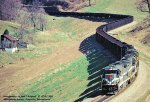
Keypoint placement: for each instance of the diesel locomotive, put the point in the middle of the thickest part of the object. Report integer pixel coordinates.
(121, 73)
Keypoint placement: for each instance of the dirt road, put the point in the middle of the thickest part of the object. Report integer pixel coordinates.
(140, 87)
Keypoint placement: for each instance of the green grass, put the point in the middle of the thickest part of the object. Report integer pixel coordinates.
(6, 58)
(59, 36)
(33, 52)
(30, 53)
(62, 81)
(127, 7)
(41, 43)
(61, 30)
(12, 27)
(99, 7)
(66, 82)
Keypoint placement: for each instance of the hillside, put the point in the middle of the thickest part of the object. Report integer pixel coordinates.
(54, 63)
(61, 26)
(137, 35)
(127, 7)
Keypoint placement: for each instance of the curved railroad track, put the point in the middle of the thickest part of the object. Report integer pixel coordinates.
(118, 48)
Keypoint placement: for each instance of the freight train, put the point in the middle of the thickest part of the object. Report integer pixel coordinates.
(121, 73)
(118, 75)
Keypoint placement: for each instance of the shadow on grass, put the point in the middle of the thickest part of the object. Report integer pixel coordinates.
(98, 58)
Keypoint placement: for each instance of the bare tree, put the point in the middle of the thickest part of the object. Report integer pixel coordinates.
(41, 19)
(144, 5)
(9, 9)
(37, 15)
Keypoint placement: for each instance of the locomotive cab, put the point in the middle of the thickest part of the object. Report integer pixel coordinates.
(110, 80)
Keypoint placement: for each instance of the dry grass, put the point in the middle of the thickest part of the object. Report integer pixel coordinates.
(60, 31)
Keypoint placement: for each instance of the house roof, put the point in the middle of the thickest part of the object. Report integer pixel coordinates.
(9, 37)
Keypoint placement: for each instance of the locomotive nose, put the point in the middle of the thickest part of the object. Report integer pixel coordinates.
(107, 82)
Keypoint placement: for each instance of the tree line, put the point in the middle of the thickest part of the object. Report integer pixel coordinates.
(13, 10)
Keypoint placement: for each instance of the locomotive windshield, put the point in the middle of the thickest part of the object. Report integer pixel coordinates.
(110, 74)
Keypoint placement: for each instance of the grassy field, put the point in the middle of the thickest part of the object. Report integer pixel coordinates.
(127, 7)
(70, 81)
(59, 31)
(12, 27)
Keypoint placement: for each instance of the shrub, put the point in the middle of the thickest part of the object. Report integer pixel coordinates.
(6, 32)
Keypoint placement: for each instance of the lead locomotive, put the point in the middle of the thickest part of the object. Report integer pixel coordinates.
(121, 73)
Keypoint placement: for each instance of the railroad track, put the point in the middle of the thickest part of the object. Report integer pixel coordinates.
(102, 99)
